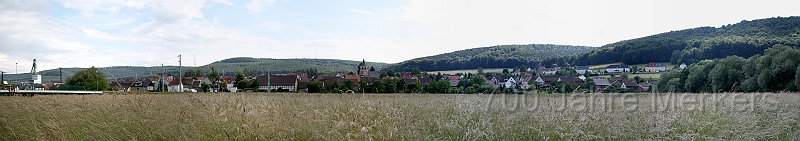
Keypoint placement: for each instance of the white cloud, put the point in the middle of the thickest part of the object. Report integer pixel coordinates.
(360, 11)
(472, 23)
(274, 25)
(24, 5)
(258, 5)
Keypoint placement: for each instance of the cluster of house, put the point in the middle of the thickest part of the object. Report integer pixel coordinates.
(294, 82)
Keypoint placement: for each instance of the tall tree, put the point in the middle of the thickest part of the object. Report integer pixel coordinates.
(416, 72)
(255, 84)
(89, 78)
(312, 72)
(214, 76)
(777, 66)
(698, 77)
(391, 73)
(727, 73)
(314, 87)
(241, 81)
(349, 85)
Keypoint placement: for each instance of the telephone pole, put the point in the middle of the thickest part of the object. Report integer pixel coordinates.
(161, 81)
(269, 80)
(180, 75)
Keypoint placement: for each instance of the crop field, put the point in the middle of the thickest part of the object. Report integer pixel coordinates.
(290, 116)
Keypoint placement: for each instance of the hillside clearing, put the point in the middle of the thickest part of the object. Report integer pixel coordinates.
(251, 116)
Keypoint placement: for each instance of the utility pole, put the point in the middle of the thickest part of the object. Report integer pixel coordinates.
(98, 82)
(269, 80)
(180, 75)
(161, 81)
(60, 76)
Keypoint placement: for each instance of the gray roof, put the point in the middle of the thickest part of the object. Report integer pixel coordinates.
(601, 82)
(373, 74)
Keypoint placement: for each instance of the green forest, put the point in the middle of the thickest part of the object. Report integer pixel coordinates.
(227, 67)
(744, 39)
(777, 70)
(502, 56)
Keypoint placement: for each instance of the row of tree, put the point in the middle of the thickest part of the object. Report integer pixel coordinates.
(777, 70)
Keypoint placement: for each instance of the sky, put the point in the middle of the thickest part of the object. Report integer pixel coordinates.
(103, 33)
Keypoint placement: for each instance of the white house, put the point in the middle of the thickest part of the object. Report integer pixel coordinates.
(231, 88)
(510, 83)
(683, 66)
(618, 68)
(583, 70)
(549, 71)
(655, 67)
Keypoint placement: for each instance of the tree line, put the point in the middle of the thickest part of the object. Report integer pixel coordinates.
(777, 70)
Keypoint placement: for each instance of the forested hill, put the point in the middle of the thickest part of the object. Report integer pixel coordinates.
(744, 39)
(503, 56)
(290, 65)
(228, 67)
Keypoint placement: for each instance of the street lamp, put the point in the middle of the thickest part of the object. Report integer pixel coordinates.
(15, 68)
(98, 82)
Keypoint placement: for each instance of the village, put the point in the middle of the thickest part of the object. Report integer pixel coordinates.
(611, 79)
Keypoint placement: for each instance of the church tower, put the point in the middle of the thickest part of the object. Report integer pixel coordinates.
(362, 68)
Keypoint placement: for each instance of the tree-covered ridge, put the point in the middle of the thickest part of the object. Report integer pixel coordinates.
(502, 56)
(263, 65)
(227, 67)
(745, 39)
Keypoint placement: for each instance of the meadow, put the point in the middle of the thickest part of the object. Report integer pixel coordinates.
(291, 116)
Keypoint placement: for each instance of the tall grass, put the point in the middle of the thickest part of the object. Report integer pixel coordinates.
(250, 116)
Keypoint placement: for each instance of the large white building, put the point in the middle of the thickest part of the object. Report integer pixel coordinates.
(618, 68)
(655, 67)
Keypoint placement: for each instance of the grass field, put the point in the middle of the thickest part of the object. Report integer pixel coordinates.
(474, 71)
(603, 66)
(250, 116)
(642, 75)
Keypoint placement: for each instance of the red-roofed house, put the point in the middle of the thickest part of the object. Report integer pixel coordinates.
(353, 77)
(454, 77)
(303, 76)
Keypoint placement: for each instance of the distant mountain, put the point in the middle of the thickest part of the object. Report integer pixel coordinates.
(502, 56)
(743, 39)
(228, 67)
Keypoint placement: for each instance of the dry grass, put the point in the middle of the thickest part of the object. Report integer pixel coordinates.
(384, 117)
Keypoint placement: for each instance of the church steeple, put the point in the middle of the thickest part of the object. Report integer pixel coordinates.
(362, 68)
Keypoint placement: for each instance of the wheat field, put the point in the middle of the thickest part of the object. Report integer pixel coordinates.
(290, 116)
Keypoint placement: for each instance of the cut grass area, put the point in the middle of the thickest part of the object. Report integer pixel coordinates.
(292, 116)
(603, 66)
(473, 71)
(642, 75)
